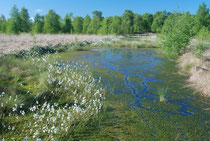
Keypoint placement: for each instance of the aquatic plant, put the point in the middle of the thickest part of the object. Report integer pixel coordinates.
(162, 93)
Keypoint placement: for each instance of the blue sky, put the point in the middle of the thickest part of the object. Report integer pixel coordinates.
(108, 7)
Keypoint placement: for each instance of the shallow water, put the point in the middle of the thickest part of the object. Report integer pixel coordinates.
(133, 79)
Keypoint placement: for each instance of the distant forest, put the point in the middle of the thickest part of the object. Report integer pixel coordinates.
(128, 23)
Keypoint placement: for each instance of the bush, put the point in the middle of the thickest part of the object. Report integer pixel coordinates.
(36, 51)
(176, 34)
(199, 50)
(203, 34)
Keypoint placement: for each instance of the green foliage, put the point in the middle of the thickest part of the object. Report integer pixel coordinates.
(80, 47)
(158, 21)
(202, 17)
(38, 24)
(14, 23)
(52, 22)
(3, 24)
(77, 24)
(127, 22)
(105, 26)
(67, 28)
(115, 27)
(97, 14)
(203, 34)
(95, 23)
(25, 20)
(147, 22)
(12, 26)
(176, 34)
(199, 50)
(86, 23)
(138, 24)
(14, 13)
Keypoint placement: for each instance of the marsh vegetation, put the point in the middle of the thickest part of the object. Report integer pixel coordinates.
(90, 87)
(65, 93)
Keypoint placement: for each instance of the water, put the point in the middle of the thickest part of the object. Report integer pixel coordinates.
(133, 79)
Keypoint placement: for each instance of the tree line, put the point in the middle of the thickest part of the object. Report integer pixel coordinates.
(179, 28)
(128, 23)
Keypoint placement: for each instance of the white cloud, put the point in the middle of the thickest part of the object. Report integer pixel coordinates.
(38, 10)
(32, 19)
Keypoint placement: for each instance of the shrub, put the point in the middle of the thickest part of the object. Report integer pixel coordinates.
(199, 50)
(176, 34)
(203, 34)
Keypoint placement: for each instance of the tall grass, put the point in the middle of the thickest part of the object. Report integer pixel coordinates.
(162, 93)
(41, 97)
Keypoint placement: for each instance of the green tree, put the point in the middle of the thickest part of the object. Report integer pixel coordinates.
(67, 28)
(203, 34)
(97, 14)
(202, 17)
(12, 26)
(14, 13)
(3, 24)
(105, 26)
(77, 24)
(86, 23)
(176, 33)
(158, 22)
(14, 23)
(138, 24)
(25, 20)
(52, 22)
(115, 27)
(147, 22)
(38, 24)
(95, 23)
(127, 22)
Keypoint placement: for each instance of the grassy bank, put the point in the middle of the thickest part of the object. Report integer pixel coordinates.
(135, 42)
(196, 64)
(44, 97)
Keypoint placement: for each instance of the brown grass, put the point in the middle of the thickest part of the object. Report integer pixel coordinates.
(199, 70)
(13, 43)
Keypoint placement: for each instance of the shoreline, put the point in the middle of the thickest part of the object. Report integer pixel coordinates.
(198, 69)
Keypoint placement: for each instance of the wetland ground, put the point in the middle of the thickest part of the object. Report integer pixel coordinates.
(132, 80)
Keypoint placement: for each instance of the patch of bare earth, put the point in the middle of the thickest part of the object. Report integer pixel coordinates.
(13, 43)
(199, 69)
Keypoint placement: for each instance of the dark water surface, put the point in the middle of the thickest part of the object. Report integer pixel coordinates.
(133, 79)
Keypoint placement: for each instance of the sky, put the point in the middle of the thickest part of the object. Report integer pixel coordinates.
(108, 7)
